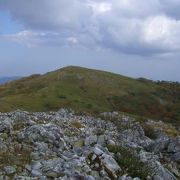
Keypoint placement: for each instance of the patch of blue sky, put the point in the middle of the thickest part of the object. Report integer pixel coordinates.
(8, 25)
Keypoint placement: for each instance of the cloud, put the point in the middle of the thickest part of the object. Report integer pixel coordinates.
(34, 39)
(100, 7)
(162, 31)
(170, 8)
(72, 40)
(129, 26)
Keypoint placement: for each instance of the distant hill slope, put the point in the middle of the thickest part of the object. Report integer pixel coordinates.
(7, 79)
(93, 91)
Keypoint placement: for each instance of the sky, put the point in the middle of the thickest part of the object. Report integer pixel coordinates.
(136, 38)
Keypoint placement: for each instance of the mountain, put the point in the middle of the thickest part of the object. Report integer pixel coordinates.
(7, 79)
(92, 91)
(112, 134)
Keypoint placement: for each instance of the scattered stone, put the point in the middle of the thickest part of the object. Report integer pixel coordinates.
(98, 151)
(176, 157)
(155, 167)
(110, 165)
(92, 139)
(9, 170)
(36, 173)
(101, 140)
(5, 126)
(111, 142)
(41, 146)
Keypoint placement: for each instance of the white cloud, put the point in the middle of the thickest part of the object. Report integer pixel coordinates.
(23, 37)
(72, 40)
(100, 7)
(34, 39)
(130, 26)
(163, 32)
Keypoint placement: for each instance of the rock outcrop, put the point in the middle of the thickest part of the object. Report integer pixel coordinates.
(62, 145)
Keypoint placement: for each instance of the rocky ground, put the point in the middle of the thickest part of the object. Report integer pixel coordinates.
(62, 145)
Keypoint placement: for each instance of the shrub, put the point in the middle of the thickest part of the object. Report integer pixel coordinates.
(89, 106)
(149, 131)
(129, 162)
(62, 96)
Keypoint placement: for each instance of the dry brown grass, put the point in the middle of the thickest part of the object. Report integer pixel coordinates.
(17, 155)
(76, 124)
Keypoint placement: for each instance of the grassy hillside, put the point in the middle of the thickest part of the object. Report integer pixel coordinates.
(92, 91)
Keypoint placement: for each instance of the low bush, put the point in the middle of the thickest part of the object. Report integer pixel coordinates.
(129, 162)
(149, 131)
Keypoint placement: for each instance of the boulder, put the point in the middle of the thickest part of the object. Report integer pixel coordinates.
(174, 145)
(133, 135)
(9, 170)
(176, 157)
(101, 140)
(102, 160)
(111, 166)
(5, 126)
(92, 139)
(158, 172)
(158, 146)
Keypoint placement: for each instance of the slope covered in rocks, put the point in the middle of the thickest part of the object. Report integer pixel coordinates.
(62, 145)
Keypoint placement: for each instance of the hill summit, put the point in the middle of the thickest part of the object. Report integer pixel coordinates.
(92, 91)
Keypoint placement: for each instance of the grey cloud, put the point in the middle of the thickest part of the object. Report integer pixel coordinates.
(45, 14)
(128, 26)
(171, 8)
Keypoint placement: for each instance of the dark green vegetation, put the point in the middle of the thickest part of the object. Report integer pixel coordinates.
(130, 163)
(92, 91)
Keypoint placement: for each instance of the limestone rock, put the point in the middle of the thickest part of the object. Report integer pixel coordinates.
(9, 170)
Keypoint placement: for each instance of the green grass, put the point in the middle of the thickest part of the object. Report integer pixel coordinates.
(93, 91)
